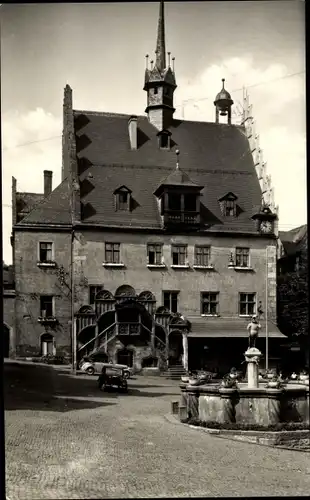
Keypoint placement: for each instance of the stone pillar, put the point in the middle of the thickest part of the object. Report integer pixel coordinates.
(228, 410)
(183, 395)
(252, 357)
(193, 404)
(274, 405)
(185, 351)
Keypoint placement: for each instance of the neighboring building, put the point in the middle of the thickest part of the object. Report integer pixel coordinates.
(8, 294)
(293, 298)
(159, 226)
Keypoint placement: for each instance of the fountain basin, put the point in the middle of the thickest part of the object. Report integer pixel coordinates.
(249, 406)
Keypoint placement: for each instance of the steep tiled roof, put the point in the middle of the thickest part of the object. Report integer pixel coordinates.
(54, 209)
(215, 156)
(293, 240)
(25, 202)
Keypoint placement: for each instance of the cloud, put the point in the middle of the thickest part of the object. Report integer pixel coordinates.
(278, 110)
(279, 114)
(28, 161)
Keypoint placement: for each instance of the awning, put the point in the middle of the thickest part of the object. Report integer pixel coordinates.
(230, 328)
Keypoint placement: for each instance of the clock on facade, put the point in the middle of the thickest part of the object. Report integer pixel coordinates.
(266, 226)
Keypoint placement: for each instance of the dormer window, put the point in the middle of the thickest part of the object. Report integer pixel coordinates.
(164, 139)
(229, 205)
(122, 198)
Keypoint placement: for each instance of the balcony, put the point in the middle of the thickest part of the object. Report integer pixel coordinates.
(47, 320)
(177, 217)
(128, 329)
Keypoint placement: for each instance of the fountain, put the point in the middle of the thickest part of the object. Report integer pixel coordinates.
(251, 404)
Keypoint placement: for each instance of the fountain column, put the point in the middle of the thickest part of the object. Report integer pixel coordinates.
(252, 357)
(185, 351)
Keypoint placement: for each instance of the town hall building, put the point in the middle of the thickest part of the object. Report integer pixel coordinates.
(157, 247)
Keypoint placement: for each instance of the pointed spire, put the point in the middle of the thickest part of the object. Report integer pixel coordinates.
(161, 45)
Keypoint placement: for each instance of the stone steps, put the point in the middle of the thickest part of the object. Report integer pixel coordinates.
(175, 372)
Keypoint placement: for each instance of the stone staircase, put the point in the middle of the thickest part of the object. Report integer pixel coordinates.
(175, 372)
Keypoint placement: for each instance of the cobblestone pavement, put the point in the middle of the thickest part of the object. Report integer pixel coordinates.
(88, 444)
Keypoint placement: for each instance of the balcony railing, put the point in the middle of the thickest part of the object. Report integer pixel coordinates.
(177, 217)
(129, 329)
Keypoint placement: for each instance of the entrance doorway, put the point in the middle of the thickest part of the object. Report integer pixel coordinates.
(175, 348)
(125, 357)
(6, 341)
(47, 344)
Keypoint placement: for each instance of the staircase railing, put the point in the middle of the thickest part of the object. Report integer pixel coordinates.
(97, 337)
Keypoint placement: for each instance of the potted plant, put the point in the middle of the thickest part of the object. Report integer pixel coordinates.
(270, 374)
(274, 382)
(303, 375)
(193, 379)
(228, 382)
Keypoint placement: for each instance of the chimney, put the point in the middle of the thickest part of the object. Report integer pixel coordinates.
(48, 175)
(133, 135)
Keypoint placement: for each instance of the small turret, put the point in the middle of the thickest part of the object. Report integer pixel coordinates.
(223, 103)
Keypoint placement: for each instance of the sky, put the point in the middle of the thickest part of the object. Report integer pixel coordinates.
(99, 50)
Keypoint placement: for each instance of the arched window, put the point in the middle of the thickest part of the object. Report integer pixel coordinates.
(48, 345)
(104, 301)
(125, 292)
(147, 299)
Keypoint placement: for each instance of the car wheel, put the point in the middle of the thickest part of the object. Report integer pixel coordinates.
(126, 374)
(90, 370)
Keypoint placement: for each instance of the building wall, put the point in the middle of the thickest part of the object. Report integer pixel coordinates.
(31, 282)
(89, 256)
(8, 308)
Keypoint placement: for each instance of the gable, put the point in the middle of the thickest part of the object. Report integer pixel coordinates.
(54, 209)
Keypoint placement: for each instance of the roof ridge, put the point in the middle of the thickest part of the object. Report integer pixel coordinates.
(106, 113)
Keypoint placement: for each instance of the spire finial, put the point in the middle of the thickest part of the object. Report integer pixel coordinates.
(161, 45)
(169, 54)
(147, 61)
(173, 59)
(177, 153)
(223, 80)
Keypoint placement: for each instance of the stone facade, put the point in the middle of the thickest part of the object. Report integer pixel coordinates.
(89, 258)
(33, 281)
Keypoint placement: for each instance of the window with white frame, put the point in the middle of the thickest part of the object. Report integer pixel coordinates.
(45, 251)
(202, 255)
(154, 253)
(170, 300)
(179, 253)
(209, 302)
(112, 253)
(247, 304)
(242, 257)
(46, 306)
(93, 290)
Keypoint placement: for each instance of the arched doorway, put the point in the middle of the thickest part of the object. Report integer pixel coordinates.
(125, 357)
(47, 344)
(6, 341)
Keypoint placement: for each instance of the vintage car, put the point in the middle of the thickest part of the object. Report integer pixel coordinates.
(94, 364)
(112, 376)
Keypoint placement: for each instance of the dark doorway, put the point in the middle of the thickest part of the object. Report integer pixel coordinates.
(6, 341)
(175, 348)
(125, 357)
